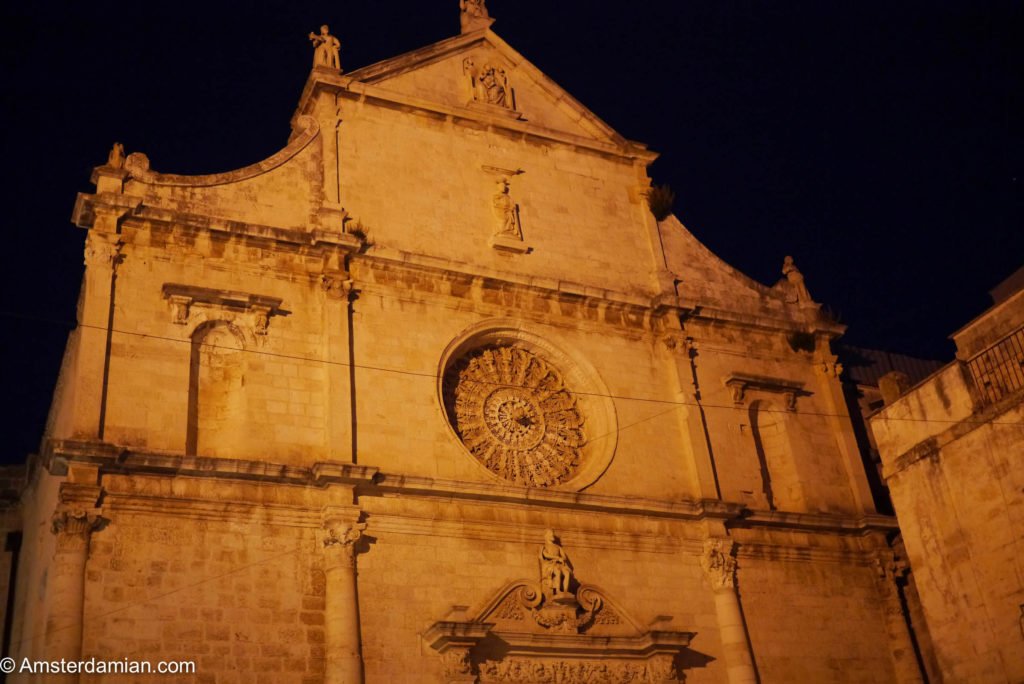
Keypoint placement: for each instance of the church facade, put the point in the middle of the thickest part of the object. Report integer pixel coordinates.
(431, 395)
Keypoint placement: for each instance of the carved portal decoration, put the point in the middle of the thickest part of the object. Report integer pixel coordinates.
(527, 671)
(514, 413)
(528, 633)
(555, 568)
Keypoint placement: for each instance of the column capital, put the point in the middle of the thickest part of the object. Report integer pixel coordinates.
(103, 250)
(337, 286)
(74, 525)
(339, 540)
(719, 563)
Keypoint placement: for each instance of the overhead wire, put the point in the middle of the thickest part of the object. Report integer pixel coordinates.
(433, 376)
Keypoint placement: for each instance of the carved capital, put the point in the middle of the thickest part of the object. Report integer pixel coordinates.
(719, 563)
(100, 252)
(829, 368)
(678, 344)
(260, 319)
(340, 541)
(74, 526)
(890, 570)
(457, 664)
(337, 286)
(180, 305)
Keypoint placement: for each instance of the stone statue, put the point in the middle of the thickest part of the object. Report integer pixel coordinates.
(555, 569)
(325, 49)
(506, 212)
(473, 15)
(494, 86)
(796, 280)
(115, 159)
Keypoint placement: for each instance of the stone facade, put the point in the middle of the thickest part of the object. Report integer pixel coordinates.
(319, 413)
(951, 449)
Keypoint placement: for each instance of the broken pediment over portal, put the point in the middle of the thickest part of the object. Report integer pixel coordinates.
(556, 630)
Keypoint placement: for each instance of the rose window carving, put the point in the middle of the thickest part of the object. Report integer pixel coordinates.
(514, 414)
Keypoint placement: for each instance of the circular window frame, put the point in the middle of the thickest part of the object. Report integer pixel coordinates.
(581, 380)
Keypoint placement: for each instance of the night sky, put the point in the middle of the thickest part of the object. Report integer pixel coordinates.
(879, 143)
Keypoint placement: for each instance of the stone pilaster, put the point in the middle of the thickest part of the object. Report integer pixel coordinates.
(681, 354)
(901, 647)
(344, 648)
(719, 565)
(73, 527)
(102, 256)
(828, 372)
(338, 291)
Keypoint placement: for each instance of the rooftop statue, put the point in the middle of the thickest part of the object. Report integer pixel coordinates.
(473, 15)
(115, 159)
(796, 280)
(325, 49)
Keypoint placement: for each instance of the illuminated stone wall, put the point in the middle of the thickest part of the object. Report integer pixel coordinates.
(254, 459)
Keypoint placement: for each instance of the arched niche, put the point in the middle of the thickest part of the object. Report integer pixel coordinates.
(775, 456)
(217, 410)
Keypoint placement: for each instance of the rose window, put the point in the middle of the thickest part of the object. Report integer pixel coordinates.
(514, 414)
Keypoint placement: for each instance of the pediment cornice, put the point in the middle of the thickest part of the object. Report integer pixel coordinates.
(368, 84)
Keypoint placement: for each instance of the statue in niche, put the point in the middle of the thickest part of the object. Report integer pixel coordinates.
(489, 84)
(555, 568)
(325, 49)
(494, 86)
(115, 159)
(796, 280)
(473, 15)
(506, 211)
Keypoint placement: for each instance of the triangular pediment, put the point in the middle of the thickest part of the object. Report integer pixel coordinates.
(480, 74)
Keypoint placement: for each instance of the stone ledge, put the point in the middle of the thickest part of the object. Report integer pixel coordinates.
(112, 458)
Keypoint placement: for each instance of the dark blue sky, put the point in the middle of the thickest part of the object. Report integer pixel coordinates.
(879, 143)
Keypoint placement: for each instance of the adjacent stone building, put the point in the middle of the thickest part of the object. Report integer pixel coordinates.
(951, 451)
(430, 395)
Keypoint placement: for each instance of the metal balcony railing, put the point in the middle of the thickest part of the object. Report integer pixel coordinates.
(998, 371)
